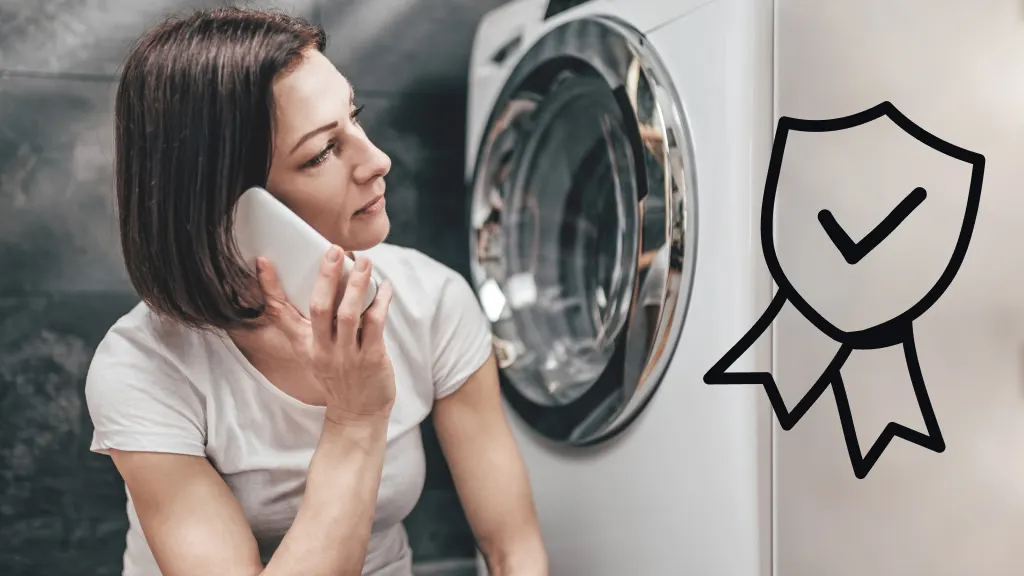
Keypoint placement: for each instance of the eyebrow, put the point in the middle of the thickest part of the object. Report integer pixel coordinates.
(325, 127)
(312, 133)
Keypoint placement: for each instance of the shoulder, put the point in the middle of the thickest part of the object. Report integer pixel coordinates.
(142, 341)
(410, 267)
(420, 282)
(452, 324)
(137, 390)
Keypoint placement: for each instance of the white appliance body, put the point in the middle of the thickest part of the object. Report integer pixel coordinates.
(704, 481)
(956, 68)
(684, 489)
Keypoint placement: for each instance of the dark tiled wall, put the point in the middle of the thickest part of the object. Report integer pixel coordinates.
(62, 283)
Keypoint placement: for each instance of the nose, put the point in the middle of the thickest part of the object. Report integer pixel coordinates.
(375, 164)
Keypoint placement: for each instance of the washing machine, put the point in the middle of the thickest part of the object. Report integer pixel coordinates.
(616, 152)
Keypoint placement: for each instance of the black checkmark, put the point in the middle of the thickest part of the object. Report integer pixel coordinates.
(852, 251)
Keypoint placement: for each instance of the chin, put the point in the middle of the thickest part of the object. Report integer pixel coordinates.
(365, 234)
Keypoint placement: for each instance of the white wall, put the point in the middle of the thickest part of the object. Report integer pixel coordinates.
(955, 67)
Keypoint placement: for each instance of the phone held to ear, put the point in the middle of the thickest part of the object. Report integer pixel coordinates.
(265, 227)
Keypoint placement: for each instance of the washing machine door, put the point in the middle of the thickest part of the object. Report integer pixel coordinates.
(582, 229)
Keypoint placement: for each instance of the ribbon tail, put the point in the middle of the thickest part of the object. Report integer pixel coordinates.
(788, 418)
(719, 374)
(930, 439)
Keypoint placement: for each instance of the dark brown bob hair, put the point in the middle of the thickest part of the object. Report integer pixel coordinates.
(193, 130)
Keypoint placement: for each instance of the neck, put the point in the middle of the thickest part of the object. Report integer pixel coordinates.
(274, 355)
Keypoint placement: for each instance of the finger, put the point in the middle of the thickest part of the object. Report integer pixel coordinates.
(375, 318)
(275, 297)
(323, 300)
(351, 307)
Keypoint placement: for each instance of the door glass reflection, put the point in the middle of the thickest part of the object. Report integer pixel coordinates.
(569, 243)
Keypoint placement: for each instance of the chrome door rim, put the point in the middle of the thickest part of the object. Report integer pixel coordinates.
(605, 48)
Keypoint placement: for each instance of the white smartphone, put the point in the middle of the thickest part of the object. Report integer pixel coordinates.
(265, 227)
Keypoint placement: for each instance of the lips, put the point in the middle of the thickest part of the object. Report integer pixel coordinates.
(370, 206)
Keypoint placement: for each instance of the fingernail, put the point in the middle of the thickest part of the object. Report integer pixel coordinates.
(361, 265)
(334, 254)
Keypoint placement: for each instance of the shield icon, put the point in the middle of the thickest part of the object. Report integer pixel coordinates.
(866, 220)
(874, 216)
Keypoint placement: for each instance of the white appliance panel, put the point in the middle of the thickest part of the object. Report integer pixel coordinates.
(956, 68)
(681, 490)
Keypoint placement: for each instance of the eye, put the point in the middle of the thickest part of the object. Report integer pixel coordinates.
(321, 157)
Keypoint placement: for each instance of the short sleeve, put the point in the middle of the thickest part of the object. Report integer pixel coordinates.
(460, 334)
(138, 401)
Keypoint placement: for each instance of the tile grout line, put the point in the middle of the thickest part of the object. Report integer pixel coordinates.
(96, 77)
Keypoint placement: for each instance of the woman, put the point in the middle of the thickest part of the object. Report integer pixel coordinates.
(251, 440)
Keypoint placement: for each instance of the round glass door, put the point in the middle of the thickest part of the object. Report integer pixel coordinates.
(579, 229)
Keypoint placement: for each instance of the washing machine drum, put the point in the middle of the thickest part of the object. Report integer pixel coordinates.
(582, 229)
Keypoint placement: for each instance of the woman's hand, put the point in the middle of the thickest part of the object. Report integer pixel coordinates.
(343, 348)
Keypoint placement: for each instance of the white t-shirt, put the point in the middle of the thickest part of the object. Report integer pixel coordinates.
(157, 386)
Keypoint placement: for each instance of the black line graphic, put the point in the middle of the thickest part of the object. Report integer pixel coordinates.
(854, 252)
(898, 330)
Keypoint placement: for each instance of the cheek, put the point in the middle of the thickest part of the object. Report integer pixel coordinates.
(320, 196)
(327, 200)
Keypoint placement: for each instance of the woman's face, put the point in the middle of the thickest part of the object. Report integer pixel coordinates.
(323, 167)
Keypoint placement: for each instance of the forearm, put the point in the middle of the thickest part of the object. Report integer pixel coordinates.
(499, 504)
(490, 476)
(524, 557)
(332, 528)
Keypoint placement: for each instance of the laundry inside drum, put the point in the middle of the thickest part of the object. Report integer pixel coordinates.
(570, 235)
